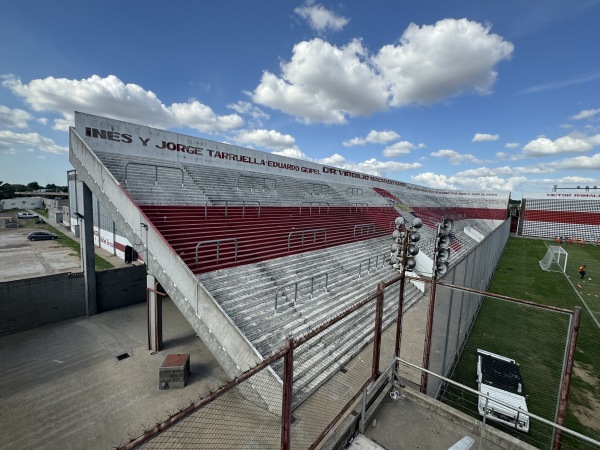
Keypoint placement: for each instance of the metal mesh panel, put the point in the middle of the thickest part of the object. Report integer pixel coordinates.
(340, 357)
(511, 330)
(238, 419)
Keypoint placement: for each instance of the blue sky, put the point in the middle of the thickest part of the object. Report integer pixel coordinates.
(475, 95)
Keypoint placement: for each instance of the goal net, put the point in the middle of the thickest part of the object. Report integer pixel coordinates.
(555, 259)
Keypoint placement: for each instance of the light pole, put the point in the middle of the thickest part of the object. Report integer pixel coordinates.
(441, 255)
(404, 250)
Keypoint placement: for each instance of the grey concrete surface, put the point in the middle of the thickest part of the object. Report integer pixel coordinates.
(21, 258)
(63, 387)
(416, 421)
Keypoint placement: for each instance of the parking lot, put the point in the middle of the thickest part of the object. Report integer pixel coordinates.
(21, 258)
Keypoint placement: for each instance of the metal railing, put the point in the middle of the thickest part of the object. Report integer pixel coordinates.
(368, 263)
(317, 189)
(264, 181)
(314, 232)
(156, 166)
(243, 202)
(218, 242)
(295, 284)
(317, 204)
(354, 192)
(368, 228)
(359, 205)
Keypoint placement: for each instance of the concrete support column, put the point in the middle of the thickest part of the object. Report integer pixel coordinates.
(155, 339)
(87, 252)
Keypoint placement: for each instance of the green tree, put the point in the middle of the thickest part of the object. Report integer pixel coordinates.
(33, 185)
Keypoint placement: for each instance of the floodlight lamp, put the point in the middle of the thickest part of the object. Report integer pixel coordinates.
(412, 250)
(410, 263)
(397, 234)
(395, 247)
(414, 236)
(443, 254)
(399, 222)
(447, 224)
(394, 259)
(417, 223)
(441, 268)
(444, 241)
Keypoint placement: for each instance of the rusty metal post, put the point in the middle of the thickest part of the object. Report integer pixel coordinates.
(401, 298)
(377, 330)
(428, 333)
(286, 406)
(566, 381)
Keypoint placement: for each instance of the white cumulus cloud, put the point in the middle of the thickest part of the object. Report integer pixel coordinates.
(435, 62)
(325, 83)
(14, 118)
(320, 18)
(111, 97)
(400, 148)
(270, 139)
(585, 114)
(573, 143)
(373, 137)
(12, 143)
(485, 137)
(454, 157)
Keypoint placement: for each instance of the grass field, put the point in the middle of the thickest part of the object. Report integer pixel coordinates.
(536, 338)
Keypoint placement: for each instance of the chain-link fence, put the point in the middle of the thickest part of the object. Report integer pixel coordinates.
(515, 352)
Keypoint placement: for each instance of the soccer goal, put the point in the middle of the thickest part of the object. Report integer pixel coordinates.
(555, 259)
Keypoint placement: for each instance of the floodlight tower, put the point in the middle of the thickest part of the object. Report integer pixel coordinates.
(441, 255)
(404, 250)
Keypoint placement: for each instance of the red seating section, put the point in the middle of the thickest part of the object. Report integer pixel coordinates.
(279, 231)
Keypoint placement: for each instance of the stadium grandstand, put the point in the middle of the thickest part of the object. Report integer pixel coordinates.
(255, 248)
(572, 216)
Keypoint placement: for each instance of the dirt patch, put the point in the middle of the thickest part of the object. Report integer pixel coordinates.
(588, 415)
(9, 246)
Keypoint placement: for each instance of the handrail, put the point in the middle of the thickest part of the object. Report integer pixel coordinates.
(264, 179)
(319, 185)
(156, 166)
(359, 191)
(314, 203)
(357, 205)
(365, 226)
(386, 207)
(295, 284)
(303, 232)
(368, 260)
(218, 242)
(227, 205)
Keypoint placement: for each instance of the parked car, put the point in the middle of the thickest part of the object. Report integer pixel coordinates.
(41, 236)
(27, 215)
(499, 377)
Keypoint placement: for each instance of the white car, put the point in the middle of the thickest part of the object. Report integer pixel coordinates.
(499, 377)
(27, 215)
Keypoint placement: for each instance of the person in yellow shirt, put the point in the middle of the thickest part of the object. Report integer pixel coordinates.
(582, 271)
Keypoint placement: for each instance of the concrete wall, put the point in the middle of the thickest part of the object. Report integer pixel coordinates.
(35, 302)
(22, 203)
(121, 287)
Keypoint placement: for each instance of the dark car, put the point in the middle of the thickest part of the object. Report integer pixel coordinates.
(41, 235)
